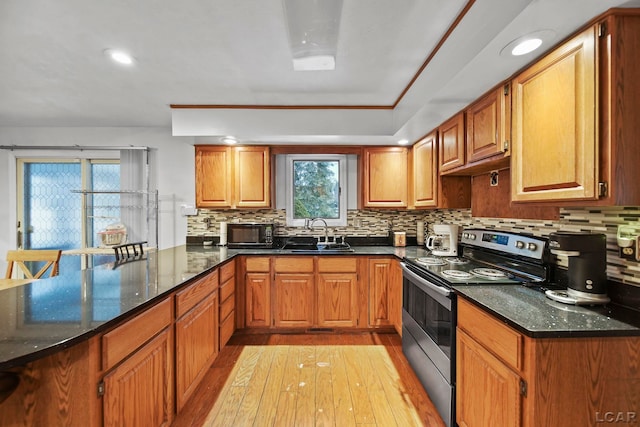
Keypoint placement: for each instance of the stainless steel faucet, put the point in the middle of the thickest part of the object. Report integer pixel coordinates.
(308, 223)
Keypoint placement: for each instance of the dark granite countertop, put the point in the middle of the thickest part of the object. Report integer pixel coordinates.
(45, 316)
(532, 313)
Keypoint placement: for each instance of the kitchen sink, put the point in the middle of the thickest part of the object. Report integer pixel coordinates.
(311, 246)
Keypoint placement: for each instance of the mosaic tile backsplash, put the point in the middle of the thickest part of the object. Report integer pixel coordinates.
(378, 223)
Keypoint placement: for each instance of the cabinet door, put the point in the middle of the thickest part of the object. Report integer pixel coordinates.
(252, 177)
(337, 299)
(425, 172)
(293, 293)
(196, 346)
(487, 391)
(487, 125)
(451, 143)
(555, 149)
(385, 177)
(258, 299)
(214, 177)
(395, 296)
(379, 281)
(139, 392)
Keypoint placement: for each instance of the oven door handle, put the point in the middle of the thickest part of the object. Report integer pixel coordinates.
(420, 281)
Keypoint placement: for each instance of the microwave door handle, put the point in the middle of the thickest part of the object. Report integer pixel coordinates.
(445, 292)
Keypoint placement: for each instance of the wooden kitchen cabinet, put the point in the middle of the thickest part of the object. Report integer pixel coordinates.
(490, 392)
(257, 281)
(196, 334)
(380, 284)
(233, 177)
(576, 118)
(227, 296)
(293, 293)
(505, 378)
(385, 177)
(139, 391)
(424, 189)
(488, 129)
(337, 292)
(451, 144)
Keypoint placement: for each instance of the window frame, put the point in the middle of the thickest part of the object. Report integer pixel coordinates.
(341, 221)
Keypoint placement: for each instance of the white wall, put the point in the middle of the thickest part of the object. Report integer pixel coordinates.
(171, 159)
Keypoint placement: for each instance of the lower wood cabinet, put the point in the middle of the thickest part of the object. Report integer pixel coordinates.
(196, 346)
(489, 393)
(293, 300)
(139, 392)
(337, 296)
(380, 281)
(227, 297)
(504, 378)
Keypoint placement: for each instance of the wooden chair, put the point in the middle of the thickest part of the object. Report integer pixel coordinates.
(19, 257)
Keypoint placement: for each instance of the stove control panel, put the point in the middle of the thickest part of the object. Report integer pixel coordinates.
(511, 243)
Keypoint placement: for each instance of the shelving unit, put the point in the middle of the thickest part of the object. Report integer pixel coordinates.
(137, 210)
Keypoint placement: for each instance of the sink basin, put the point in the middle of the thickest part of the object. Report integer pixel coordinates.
(310, 245)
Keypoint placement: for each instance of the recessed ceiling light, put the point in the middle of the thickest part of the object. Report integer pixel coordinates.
(403, 141)
(527, 43)
(229, 140)
(315, 63)
(526, 46)
(119, 56)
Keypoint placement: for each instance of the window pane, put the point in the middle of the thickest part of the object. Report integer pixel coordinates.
(316, 189)
(105, 207)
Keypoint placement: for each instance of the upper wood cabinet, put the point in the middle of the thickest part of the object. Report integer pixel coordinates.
(576, 119)
(451, 148)
(385, 177)
(424, 179)
(554, 124)
(489, 125)
(233, 177)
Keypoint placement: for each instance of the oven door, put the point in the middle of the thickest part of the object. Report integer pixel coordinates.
(428, 338)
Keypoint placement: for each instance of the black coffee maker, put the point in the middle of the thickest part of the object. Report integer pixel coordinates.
(587, 267)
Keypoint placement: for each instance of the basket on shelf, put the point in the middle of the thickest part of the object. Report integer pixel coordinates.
(113, 235)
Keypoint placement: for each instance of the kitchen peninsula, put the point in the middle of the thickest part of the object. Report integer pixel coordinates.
(71, 354)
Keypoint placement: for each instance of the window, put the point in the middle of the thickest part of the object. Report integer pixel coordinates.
(316, 188)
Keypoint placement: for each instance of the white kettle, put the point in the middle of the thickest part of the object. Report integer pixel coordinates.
(444, 240)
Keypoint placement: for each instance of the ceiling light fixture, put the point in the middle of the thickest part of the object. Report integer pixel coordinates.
(229, 140)
(313, 26)
(527, 43)
(403, 141)
(119, 56)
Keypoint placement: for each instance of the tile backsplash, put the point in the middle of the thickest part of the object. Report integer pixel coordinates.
(378, 223)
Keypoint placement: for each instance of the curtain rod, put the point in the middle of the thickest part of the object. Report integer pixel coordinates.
(69, 147)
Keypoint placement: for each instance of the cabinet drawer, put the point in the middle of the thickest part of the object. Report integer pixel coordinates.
(125, 339)
(187, 298)
(497, 337)
(226, 289)
(227, 271)
(293, 264)
(227, 327)
(227, 306)
(334, 264)
(257, 264)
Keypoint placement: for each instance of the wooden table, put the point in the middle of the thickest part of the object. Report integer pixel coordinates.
(11, 283)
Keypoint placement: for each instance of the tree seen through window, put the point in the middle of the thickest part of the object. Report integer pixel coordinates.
(316, 189)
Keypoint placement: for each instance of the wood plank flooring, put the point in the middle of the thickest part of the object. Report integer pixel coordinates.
(359, 379)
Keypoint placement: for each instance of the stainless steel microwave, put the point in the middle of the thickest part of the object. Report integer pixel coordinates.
(250, 235)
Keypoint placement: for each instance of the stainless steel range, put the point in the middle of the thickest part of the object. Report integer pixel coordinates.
(429, 305)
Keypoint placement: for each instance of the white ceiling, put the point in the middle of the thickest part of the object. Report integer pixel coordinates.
(236, 52)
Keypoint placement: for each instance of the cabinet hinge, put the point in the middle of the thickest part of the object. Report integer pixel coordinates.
(603, 189)
(602, 29)
(505, 146)
(101, 388)
(505, 89)
(523, 388)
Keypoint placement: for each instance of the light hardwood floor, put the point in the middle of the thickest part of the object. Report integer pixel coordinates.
(310, 379)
